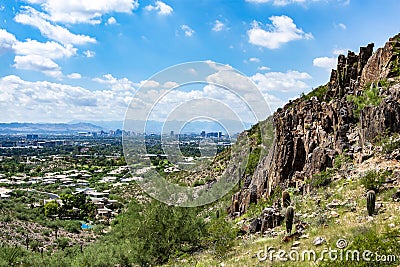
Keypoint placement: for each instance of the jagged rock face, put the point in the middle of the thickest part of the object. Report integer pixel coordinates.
(349, 70)
(375, 121)
(309, 133)
(381, 65)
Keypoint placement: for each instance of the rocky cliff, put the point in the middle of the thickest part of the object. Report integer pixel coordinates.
(360, 102)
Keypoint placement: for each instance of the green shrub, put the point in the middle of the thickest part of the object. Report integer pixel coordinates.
(72, 226)
(62, 242)
(220, 237)
(253, 160)
(340, 160)
(198, 183)
(10, 256)
(373, 180)
(158, 232)
(322, 178)
(319, 92)
(389, 143)
(369, 97)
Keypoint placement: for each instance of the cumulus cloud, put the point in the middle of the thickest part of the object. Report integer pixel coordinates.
(47, 101)
(187, 30)
(116, 84)
(327, 63)
(290, 81)
(32, 17)
(218, 26)
(7, 40)
(111, 21)
(84, 11)
(282, 30)
(36, 56)
(74, 76)
(170, 84)
(51, 49)
(161, 8)
(38, 63)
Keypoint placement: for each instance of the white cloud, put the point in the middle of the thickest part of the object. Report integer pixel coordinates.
(187, 30)
(170, 84)
(32, 17)
(50, 50)
(282, 30)
(254, 59)
(47, 101)
(161, 7)
(7, 40)
(343, 26)
(218, 26)
(149, 84)
(89, 53)
(74, 76)
(327, 63)
(111, 21)
(38, 63)
(290, 81)
(36, 56)
(84, 11)
(264, 68)
(116, 84)
(2, 8)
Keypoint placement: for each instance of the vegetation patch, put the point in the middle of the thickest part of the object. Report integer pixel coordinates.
(319, 93)
(374, 180)
(369, 97)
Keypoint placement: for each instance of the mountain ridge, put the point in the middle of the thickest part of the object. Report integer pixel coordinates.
(47, 128)
(360, 103)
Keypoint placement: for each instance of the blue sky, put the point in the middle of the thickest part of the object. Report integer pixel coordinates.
(84, 60)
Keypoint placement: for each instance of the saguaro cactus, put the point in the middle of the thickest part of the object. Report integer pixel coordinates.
(253, 194)
(371, 197)
(285, 199)
(289, 219)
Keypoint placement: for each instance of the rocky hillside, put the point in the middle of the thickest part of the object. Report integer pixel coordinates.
(358, 107)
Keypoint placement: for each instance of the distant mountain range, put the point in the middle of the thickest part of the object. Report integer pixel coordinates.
(136, 126)
(47, 128)
(158, 126)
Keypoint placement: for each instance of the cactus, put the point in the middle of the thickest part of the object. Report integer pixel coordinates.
(289, 219)
(285, 199)
(236, 205)
(27, 242)
(371, 202)
(253, 194)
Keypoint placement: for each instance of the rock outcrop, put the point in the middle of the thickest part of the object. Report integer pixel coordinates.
(313, 129)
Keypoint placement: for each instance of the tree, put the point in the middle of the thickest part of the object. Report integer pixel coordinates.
(51, 208)
(158, 231)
